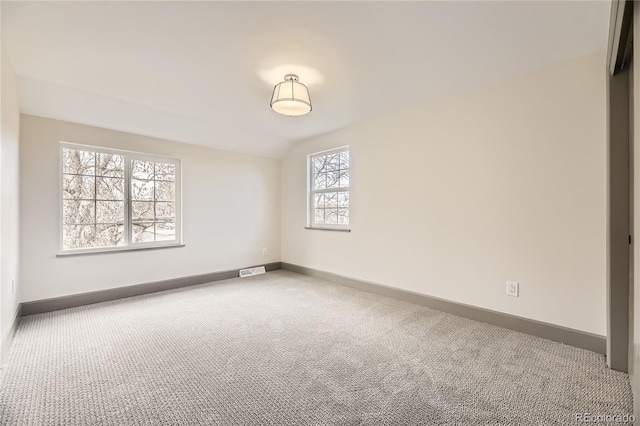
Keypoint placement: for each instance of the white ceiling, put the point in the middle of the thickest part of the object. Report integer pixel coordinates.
(203, 72)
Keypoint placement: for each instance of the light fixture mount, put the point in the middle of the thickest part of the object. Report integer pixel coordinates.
(290, 97)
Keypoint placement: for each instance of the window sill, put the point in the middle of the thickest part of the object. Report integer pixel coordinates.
(315, 228)
(116, 250)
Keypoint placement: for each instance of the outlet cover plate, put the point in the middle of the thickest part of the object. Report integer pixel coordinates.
(512, 289)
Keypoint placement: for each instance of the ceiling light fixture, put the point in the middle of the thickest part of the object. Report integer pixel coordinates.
(291, 97)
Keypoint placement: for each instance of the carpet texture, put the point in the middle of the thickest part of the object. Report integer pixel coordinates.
(287, 349)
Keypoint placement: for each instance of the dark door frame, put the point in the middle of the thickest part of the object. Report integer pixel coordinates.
(619, 173)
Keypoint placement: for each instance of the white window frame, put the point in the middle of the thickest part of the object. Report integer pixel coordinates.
(311, 192)
(128, 156)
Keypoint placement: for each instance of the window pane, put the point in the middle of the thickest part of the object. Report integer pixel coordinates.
(343, 199)
(77, 187)
(142, 169)
(333, 179)
(332, 162)
(111, 165)
(141, 211)
(319, 216)
(343, 216)
(75, 211)
(142, 232)
(331, 217)
(320, 181)
(165, 171)
(318, 200)
(331, 199)
(109, 188)
(78, 162)
(319, 165)
(78, 236)
(344, 160)
(165, 231)
(110, 211)
(344, 178)
(165, 191)
(142, 190)
(109, 235)
(165, 210)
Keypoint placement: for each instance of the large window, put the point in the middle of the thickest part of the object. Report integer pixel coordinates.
(329, 189)
(114, 200)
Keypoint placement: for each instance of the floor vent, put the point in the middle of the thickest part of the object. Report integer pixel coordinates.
(252, 271)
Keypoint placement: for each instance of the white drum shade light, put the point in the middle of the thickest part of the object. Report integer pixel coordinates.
(291, 97)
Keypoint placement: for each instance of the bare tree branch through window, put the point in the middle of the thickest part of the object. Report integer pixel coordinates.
(100, 210)
(329, 188)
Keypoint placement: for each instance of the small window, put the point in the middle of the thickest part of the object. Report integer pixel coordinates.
(113, 200)
(329, 189)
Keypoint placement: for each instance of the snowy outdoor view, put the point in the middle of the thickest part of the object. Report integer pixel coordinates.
(94, 200)
(330, 189)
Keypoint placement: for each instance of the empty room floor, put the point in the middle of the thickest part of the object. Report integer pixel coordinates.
(287, 349)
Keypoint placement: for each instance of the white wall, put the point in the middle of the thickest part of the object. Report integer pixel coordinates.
(453, 198)
(231, 210)
(9, 202)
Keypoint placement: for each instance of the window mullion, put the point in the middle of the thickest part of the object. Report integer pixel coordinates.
(325, 190)
(311, 213)
(154, 202)
(95, 198)
(128, 227)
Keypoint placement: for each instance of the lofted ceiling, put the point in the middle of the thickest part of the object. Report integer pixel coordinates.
(203, 72)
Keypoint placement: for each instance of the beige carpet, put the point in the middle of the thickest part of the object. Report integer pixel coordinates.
(286, 349)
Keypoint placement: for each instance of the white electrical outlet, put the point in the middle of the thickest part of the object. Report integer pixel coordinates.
(512, 288)
(264, 251)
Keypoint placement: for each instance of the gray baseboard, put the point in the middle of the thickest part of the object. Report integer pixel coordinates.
(64, 302)
(581, 339)
(5, 343)
(569, 336)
